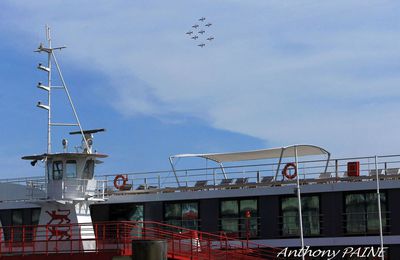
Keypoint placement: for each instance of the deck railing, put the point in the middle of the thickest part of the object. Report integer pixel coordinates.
(268, 174)
(117, 237)
(238, 176)
(37, 188)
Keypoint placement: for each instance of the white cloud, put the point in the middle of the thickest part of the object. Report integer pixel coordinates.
(324, 73)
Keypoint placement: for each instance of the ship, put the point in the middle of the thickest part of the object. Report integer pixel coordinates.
(289, 202)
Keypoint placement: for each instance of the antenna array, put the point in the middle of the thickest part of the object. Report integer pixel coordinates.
(49, 50)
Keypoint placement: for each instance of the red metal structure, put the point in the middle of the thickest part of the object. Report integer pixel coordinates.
(353, 169)
(110, 239)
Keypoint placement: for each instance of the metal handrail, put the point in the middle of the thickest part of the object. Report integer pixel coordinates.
(116, 237)
(309, 173)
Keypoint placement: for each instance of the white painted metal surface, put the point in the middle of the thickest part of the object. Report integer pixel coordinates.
(273, 153)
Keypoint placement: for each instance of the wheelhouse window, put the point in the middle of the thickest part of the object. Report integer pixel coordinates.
(361, 213)
(239, 218)
(70, 169)
(88, 170)
(183, 214)
(57, 170)
(310, 216)
(49, 169)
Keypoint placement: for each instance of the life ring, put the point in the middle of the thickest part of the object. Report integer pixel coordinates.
(286, 173)
(124, 180)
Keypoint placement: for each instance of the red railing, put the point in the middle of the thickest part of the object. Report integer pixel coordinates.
(116, 237)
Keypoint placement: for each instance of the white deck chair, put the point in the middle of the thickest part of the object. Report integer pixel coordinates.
(325, 175)
(267, 179)
(393, 171)
(373, 172)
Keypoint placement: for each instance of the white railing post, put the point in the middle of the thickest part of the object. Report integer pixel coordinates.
(379, 206)
(299, 202)
(214, 178)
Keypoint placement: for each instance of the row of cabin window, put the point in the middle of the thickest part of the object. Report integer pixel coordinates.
(56, 169)
(186, 215)
(360, 216)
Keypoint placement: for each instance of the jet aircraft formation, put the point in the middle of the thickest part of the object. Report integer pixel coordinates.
(199, 32)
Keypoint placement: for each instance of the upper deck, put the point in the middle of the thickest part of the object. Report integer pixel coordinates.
(240, 179)
(250, 176)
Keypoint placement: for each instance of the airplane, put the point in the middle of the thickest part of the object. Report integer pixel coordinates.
(195, 26)
(209, 24)
(189, 33)
(195, 37)
(202, 31)
(202, 19)
(210, 39)
(201, 45)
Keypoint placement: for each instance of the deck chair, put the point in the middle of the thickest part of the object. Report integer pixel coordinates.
(393, 171)
(241, 181)
(373, 172)
(267, 179)
(200, 184)
(141, 187)
(225, 182)
(144, 188)
(346, 177)
(126, 187)
(325, 175)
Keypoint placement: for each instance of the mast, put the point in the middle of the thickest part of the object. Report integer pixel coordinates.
(48, 37)
(49, 87)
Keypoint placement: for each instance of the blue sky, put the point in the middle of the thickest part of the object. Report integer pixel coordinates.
(277, 73)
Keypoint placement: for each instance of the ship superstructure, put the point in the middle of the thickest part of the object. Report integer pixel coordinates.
(238, 206)
(51, 215)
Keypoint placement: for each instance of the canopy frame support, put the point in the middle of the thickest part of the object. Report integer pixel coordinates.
(302, 149)
(223, 170)
(174, 170)
(295, 146)
(279, 165)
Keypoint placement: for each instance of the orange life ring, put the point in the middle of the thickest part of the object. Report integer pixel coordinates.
(124, 180)
(285, 171)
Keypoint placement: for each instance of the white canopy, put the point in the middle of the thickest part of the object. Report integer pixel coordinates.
(273, 153)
